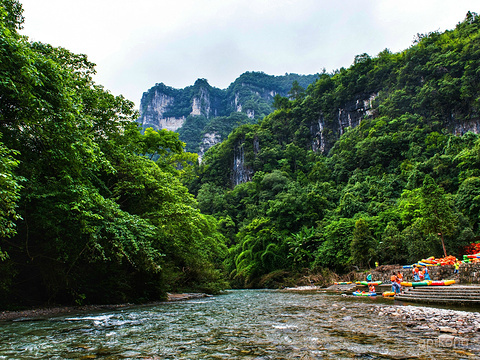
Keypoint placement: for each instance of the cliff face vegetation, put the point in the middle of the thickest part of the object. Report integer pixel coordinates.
(372, 163)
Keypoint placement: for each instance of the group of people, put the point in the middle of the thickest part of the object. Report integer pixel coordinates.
(420, 274)
(396, 280)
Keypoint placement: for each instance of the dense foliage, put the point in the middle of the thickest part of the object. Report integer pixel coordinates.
(85, 214)
(393, 189)
(94, 210)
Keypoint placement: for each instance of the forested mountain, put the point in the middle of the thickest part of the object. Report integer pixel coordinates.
(378, 162)
(85, 215)
(204, 115)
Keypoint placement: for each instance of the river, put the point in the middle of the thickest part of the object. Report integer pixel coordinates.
(241, 324)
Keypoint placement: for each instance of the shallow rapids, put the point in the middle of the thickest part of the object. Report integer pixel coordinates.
(243, 324)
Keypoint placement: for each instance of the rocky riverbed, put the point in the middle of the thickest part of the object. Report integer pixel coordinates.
(438, 327)
(254, 324)
(433, 319)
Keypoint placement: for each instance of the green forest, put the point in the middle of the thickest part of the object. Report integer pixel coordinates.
(390, 190)
(85, 215)
(95, 210)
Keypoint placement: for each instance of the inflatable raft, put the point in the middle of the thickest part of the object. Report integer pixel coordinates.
(414, 284)
(343, 283)
(374, 283)
(388, 294)
(441, 283)
(428, 283)
(363, 293)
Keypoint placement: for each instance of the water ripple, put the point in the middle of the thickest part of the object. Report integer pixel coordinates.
(239, 325)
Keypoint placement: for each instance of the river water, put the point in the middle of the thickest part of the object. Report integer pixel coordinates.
(241, 324)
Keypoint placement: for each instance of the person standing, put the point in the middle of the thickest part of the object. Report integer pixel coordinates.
(421, 274)
(393, 279)
(399, 281)
(427, 274)
(416, 276)
(369, 277)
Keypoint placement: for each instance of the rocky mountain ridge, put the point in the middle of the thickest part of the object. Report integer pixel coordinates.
(189, 111)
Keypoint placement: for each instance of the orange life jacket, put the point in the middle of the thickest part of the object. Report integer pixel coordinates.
(393, 278)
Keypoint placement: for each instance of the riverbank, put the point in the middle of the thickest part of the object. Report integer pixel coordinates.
(54, 311)
(65, 310)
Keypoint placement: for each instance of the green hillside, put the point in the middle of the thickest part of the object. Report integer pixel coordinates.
(384, 191)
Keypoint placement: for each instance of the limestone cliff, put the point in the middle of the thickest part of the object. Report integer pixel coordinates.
(163, 107)
(240, 172)
(208, 140)
(154, 105)
(349, 115)
(190, 110)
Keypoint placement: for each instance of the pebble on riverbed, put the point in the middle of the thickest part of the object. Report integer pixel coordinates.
(442, 320)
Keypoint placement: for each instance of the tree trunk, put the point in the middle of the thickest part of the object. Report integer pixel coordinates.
(443, 244)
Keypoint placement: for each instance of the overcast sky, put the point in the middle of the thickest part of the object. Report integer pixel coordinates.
(137, 43)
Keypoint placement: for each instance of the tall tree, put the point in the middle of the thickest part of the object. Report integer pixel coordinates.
(430, 209)
(9, 193)
(363, 244)
(437, 213)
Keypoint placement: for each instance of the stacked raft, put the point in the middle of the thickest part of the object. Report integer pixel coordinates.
(432, 261)
(389, 294)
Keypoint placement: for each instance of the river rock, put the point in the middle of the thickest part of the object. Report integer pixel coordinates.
(446, 329)
(421, 328)
(445, 340)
